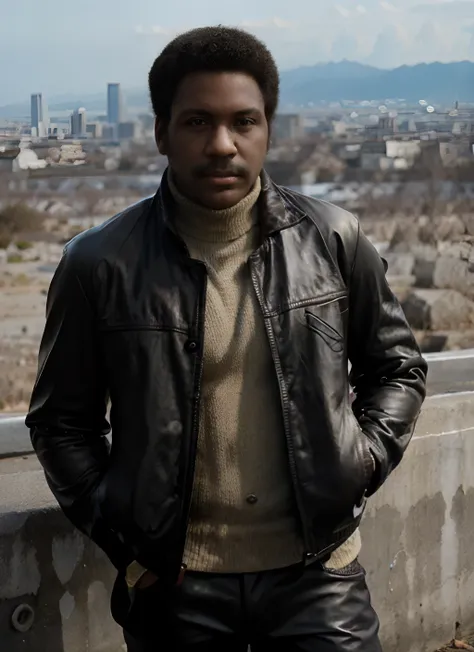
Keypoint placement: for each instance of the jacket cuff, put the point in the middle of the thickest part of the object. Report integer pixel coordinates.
(134, 573)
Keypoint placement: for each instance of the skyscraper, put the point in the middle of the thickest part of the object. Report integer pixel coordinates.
(39, 116)
(114, 104)
(79, 122)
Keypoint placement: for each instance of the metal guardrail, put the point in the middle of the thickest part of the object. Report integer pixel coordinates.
(449, 372)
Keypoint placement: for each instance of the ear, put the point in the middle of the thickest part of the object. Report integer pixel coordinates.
(269, 141)
(160, 137)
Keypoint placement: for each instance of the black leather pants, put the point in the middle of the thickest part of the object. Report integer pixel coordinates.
(295, 609)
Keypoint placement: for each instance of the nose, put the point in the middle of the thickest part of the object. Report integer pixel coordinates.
(221, 143)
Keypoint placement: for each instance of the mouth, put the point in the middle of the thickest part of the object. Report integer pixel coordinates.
(226, 179)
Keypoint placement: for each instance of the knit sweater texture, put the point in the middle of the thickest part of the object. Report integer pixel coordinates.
(243, 517)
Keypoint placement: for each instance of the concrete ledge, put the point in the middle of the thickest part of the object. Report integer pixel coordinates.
(449, 371)
(417, 533)
(14, 436)
(417, 548)
(23, 488)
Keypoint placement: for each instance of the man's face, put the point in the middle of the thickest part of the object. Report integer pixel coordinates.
(217, 137)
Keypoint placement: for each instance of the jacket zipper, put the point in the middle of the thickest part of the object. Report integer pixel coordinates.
(189, 481)
(284, 404)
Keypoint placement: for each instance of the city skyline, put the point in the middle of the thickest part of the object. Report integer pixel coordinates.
(113, 120)
(380, 32)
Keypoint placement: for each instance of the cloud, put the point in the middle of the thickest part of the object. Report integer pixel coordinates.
(277, 22)
(155, 30)
(345, 13)
(361, 9)
(457, 9)
(271, 23)
(388, 6)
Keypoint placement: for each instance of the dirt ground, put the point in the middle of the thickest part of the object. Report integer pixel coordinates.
(465, 644)
(22, 306)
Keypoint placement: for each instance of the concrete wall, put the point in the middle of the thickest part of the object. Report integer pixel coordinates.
(418, 533)
(61, 579)
(418, 549)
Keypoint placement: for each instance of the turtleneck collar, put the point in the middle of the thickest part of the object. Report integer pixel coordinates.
(209, 225)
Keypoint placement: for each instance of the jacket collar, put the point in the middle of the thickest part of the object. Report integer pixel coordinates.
(276, 211)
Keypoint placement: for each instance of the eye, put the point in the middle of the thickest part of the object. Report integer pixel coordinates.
(245, 122)
(196, 122)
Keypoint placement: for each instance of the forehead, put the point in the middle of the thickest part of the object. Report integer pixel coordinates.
(218, 93)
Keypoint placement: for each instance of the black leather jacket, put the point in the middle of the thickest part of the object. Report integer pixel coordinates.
(125, 320)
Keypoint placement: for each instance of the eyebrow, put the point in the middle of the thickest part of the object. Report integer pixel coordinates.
(206, 112)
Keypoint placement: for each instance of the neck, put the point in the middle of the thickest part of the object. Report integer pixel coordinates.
(206, 224)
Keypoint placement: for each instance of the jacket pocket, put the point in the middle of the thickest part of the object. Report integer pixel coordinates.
(365, 456)
(319, 316)
(332, 338)
(353, 569)
(104, 535)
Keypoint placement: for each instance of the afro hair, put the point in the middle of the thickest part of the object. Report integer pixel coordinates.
(212, 49)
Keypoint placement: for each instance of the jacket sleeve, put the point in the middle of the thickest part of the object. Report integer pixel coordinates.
(388, 372)
(67, 415)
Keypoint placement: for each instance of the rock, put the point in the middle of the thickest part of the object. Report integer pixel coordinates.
(459, 340)
(438, 310)
(400, 285)
(423, 269)
(426, 234)
(425, 252)
(433, 342)
(423, 272)
(468, 221)
(455, 269)
(400, 264)
(404, 236)
(450, 228)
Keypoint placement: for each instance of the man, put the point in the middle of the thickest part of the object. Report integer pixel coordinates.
(219, 318)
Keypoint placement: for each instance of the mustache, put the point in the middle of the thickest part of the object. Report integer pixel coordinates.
(212, 170)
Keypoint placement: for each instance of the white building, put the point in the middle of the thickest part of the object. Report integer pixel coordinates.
(403, 150)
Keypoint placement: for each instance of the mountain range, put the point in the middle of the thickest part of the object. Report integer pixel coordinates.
(433, 82)
(345, 80)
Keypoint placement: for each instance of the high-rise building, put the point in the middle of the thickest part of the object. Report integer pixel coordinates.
(127, 130)
(94, 129)
(114, 104)
(79, 122)
(39, 116)
(109, 132)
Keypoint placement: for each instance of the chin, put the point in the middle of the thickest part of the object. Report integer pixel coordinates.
(220, 201)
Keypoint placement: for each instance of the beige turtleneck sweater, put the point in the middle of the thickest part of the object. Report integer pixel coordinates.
(243, 517)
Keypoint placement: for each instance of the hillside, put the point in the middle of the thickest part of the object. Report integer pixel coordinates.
(434, 82)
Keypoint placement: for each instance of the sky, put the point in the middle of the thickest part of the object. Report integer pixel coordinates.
(69, 47)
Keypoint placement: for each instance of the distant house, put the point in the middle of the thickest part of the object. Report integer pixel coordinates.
(372, 153)
(455, 153)
(349, 153)
(287, 126)
(403, 152)
(7, 157)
